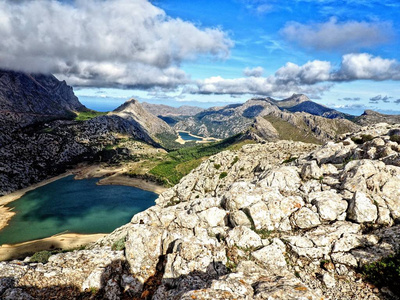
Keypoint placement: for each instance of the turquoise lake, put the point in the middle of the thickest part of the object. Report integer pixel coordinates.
(78, 206)
(187, 137)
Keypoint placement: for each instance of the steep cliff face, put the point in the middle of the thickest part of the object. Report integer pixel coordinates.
(284, 220)
(28, 98)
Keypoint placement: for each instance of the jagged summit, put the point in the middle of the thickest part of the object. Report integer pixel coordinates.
(370, 112)
(128, 106)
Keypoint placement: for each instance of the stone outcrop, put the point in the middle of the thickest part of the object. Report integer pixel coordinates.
(256, 224)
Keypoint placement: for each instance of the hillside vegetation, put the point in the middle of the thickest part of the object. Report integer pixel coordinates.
(89, 114)
(290, 132)
(169, 169)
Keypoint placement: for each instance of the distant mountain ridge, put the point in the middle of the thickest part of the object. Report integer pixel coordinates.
(134, 113)
(301, 103)
(271, 120)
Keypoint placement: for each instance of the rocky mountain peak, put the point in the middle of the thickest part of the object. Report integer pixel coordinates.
(37, 96)
(298, 98)
(26, 99)
(369, 112)
(131, 105)
(133, 111)
(293, 100)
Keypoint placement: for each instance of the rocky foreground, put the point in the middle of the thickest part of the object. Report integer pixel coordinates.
(283, 220)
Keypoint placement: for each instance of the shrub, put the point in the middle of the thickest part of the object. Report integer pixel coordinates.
(362, 139)
(235, 160)
(290, 159)
(223, 175)
(263, 233)
(89, 114)
(395, 138)
(217, 166)
(119, 245)
(385, 272)
(40, 257)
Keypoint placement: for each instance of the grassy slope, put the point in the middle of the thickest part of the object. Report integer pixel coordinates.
(180, 162)
(288, 131)
(89, 114)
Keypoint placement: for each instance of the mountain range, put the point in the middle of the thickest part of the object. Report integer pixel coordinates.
(296, 118)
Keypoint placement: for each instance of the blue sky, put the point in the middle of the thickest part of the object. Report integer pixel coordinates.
(343, 54)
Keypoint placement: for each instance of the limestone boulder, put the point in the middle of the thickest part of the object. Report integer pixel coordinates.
(239, 218)
(143, 248)
(283, 179)
(213, 217)
(329, 204)
(305, 218)
(361, 209)
(271, 257)
(311, 170)
(240, 195)
(243, 237)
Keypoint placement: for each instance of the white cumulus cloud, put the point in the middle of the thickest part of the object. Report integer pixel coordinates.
(312, 78)
(309, 73)
(91, 42)
(357, 66)
(254, 72)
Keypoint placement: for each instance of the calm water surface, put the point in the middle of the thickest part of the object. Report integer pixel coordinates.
(78, 206)
(187, 137)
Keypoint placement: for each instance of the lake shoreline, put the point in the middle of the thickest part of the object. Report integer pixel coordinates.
(202, 140)
(64, 241)
(84, 172)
